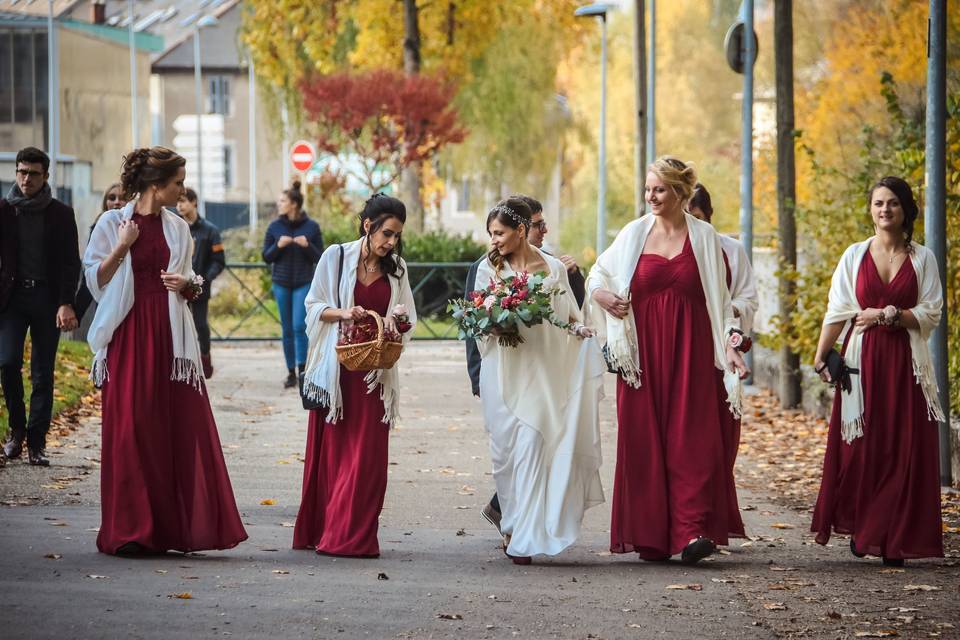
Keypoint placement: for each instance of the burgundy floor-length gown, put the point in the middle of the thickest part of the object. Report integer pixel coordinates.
(884, 487)
(164, 483)
(345, 475)
(731, 444)
(669, 484)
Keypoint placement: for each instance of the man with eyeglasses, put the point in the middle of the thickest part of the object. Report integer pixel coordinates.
(535, 234)
(39, 270)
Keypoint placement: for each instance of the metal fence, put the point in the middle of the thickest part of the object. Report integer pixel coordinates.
(248, 312)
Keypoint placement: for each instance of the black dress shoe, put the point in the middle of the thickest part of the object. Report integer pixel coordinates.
(12, 448)
(291, 380)
(853, 549)
(697, 550)
(38, 458)
(893, 562)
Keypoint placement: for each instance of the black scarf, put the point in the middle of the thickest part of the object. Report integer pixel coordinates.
(38, 202)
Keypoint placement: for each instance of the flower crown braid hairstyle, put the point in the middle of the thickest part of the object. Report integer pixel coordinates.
(378, 209)
(904, 194)
(148, 166)
(678, 175)
(511, 212)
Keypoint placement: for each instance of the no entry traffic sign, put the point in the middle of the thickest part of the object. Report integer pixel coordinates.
(302, 155)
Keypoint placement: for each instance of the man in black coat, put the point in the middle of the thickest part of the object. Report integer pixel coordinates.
(209, 261)
(535, 234)
(39, 270)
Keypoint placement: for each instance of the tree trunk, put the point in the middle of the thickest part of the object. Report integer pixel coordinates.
(410, 181)
(790, 389)
(640, 98)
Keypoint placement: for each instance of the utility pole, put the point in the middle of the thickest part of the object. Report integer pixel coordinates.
(652, 87)
(935, 208)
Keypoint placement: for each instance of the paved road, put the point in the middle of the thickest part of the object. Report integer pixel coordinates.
(441, 573)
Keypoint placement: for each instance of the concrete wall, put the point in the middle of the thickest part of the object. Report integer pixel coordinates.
(95, 104)
(177, 98)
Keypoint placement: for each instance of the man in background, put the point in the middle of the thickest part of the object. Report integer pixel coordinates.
(39, 271)
(209, 261)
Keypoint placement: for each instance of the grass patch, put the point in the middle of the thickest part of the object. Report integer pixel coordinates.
(70, 383)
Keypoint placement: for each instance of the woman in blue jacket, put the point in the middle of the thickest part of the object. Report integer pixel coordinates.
(292, 246)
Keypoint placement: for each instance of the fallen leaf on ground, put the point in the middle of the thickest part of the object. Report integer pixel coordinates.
(450, 616)
(689, 587)
(774, 606)
(783, 568)
(920, 587)
(879, 633)
(53, 556)
(382, 576)
(160, 571)
(59, 524)
(281, 572)
(782, 525)
(268, 502)
(288, 525)
(94, 576)
(186, 595)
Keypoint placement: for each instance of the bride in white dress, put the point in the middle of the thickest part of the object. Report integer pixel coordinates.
(540, 403)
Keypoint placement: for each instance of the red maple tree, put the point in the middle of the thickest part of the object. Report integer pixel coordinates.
(383, 119)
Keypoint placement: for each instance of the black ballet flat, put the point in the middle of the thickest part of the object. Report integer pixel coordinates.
(131, 549)
(697, 550)
(853, 549)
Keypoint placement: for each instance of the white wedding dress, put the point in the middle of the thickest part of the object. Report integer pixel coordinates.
(541, 409)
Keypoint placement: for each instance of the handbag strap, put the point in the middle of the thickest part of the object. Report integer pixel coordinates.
(339, 275)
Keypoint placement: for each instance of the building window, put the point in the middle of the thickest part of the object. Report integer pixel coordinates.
(463, 195)
(23, 82)
(229, 168)
(219, 95)
(6, 77)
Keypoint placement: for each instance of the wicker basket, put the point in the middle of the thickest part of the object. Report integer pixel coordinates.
(375, 354)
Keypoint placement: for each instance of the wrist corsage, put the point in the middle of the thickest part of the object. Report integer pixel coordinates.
(402, 318)
(739, 341)
(194, 288)
(890, 316)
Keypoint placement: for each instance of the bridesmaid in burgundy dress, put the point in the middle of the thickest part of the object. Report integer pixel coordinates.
(345, 475)
(880, 479)
(164, 484)
(670, 485)
(743, 294)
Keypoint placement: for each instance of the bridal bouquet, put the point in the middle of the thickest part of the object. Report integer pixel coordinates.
(503, 306)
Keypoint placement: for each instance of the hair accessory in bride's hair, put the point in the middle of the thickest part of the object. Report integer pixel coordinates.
(502, 209)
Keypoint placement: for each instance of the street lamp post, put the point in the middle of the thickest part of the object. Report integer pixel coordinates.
(599, 10)
(131, 37)
(53, 98)
(652, 87)
(206, 21)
